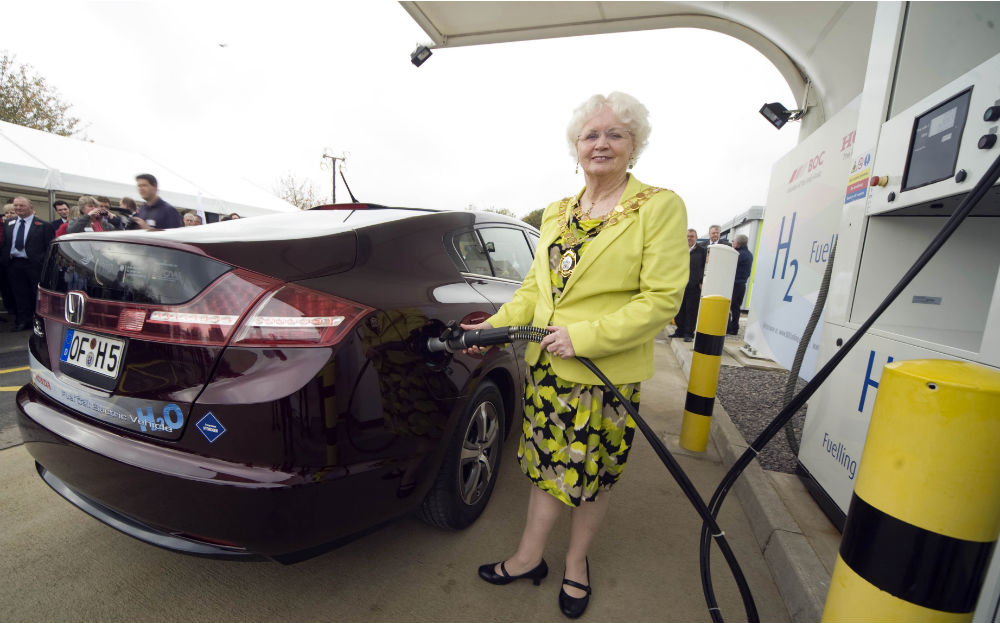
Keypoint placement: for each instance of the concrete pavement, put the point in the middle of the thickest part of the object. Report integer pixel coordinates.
(11, 377)
(798, 541)
(9, 340)
(61, 564)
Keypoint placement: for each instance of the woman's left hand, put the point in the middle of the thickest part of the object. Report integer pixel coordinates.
(558, 343)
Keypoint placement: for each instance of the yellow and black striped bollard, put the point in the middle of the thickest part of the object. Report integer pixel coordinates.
(705, 362)
(925, 513)
(710, 336)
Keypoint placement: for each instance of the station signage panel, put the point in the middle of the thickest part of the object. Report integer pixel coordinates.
(805, 202)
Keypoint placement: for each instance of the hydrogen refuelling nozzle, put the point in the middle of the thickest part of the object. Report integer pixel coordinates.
(454, 339)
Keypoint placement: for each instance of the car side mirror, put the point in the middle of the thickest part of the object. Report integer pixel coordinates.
(490, 247)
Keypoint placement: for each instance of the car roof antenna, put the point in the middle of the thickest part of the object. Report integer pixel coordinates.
(353, 198)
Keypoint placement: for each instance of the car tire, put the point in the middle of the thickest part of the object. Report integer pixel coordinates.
(469, 471)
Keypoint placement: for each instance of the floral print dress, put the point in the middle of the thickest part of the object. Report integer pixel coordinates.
(576, 438)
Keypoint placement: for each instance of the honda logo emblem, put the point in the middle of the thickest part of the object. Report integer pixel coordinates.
(75, 304)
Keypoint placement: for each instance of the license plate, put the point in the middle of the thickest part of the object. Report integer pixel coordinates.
(95, 353)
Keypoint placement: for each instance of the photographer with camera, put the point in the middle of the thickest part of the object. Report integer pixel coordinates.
(94, 217)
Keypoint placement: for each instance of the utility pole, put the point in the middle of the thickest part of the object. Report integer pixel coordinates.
(333, 166)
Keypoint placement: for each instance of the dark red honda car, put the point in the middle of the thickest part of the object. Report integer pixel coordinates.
(262, 387)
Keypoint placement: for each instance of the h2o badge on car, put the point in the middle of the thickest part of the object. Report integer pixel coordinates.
(161, 419)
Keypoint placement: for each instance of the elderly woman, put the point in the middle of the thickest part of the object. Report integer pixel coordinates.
(608, 275)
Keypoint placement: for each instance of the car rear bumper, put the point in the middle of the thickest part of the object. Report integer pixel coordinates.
(136, 529)
(193, 504)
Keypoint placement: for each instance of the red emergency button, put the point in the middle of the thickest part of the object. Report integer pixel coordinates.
(878, 180)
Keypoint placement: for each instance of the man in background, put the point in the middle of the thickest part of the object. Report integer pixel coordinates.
(714, 233)
(128, 204)
(5, 292)
(62, 209)
(191, 219)
(687, 317)
(104, 202)
(25, 241)
(744, 265)
(155, 213)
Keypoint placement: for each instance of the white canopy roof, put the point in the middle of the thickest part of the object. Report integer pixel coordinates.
(824, 43)
(36, 159)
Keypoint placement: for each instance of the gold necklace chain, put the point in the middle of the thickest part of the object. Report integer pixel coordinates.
(611, 218)
(585, 214)
(567, 263)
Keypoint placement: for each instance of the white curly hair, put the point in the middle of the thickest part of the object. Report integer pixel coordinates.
(629, 111)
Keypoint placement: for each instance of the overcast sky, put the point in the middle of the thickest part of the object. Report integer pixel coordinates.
(261, 89)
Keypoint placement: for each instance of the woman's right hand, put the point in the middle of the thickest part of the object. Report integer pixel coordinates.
(475, 350)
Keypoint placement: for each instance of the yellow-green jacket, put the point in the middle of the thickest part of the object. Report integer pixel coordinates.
(624, 290)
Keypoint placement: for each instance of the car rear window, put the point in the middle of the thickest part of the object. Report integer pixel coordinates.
(137, 273)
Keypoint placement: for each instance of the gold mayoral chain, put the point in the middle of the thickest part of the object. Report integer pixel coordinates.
(568, 262)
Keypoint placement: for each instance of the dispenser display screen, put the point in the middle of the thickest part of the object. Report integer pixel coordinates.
(935, 141)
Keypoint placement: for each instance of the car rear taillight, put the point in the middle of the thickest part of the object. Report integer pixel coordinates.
(298, 316)
(281, 315)
(208, 319)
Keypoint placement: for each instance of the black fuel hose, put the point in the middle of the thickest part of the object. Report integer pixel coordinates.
(708, 519)
(455, 340)
(951, 225)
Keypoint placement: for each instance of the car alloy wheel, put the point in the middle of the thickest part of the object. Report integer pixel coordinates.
(469, 471)
(480, 452)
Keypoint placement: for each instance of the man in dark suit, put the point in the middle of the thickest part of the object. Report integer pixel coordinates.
(5, 292)
(687, 317)
(714, 236)
(744, 266)
(62, 209)
(25, 241)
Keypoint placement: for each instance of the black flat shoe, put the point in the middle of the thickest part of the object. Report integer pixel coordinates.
(488, 573)
(573, 607)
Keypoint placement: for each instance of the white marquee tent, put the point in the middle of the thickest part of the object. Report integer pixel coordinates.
(50, 164)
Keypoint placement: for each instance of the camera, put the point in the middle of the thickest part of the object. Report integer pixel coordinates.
(122, 215)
